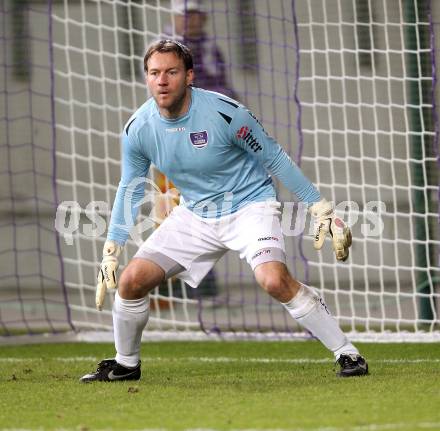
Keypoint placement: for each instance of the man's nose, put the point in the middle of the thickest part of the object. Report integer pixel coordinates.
(163, 79)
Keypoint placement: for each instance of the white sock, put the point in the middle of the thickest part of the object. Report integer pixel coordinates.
(129, 320)
(310, 311)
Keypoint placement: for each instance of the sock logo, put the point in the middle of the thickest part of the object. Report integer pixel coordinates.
(324, 305)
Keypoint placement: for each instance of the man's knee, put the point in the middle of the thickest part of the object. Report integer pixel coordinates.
(273, 283)
(139, 278)
(130, 285)
(275, 279)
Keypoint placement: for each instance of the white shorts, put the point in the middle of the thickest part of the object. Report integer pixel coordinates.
(197, 243)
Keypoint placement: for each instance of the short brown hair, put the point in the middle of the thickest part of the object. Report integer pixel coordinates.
(168, 45)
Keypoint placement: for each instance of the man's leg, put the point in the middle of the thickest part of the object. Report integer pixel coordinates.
(310, 311)
(130, 315)
(131, 308)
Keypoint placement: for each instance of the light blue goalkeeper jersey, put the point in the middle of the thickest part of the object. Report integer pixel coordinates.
(218, 155)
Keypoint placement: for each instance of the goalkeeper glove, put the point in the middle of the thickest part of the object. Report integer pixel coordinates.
(326, 222)
(107, 272)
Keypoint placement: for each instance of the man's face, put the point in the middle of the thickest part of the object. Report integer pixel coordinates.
(168, 80)
(190, 25)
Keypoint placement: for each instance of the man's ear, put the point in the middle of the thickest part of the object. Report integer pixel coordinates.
(189, 76)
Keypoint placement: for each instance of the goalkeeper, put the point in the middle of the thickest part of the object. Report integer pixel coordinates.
(219, 156)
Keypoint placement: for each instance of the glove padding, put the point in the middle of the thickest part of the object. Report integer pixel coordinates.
(107, 272)
(326, 222)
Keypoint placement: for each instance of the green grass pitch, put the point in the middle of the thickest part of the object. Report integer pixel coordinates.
(221, 386)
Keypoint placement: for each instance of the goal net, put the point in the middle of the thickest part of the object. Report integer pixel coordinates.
(347, 87)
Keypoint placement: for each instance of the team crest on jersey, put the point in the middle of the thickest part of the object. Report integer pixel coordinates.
(199, 139)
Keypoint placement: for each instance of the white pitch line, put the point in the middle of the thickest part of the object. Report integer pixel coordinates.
(221, 359)
(369, 427)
